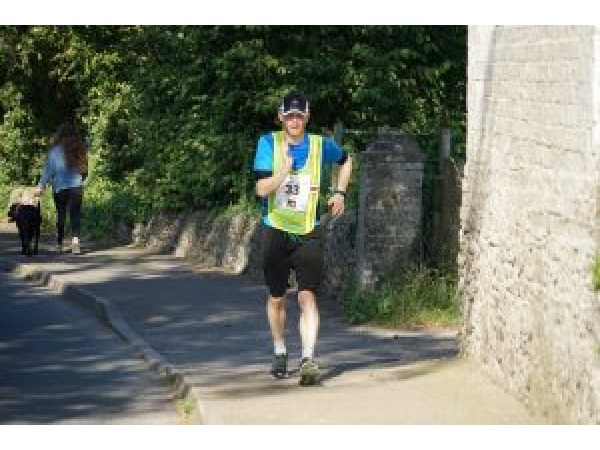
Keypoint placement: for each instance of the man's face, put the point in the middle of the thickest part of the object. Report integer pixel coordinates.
(294, 124)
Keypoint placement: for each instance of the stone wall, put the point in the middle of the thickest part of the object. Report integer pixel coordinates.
(530, 215)
(390, 206)
(209, 240)
(232, 242)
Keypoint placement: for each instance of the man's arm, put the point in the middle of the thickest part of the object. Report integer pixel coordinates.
(337, 201)
(344, 174)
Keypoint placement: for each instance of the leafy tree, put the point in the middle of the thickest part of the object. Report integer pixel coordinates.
(173, 113)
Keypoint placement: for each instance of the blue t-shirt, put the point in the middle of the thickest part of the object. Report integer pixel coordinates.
(263, 160)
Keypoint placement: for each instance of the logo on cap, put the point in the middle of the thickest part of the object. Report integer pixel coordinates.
(294, 103)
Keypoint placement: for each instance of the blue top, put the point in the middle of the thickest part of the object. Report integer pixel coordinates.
(57, 173)
(263, 160)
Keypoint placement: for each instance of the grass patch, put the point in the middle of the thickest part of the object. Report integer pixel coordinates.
(415, 298)
(186, 407)
(596, 274)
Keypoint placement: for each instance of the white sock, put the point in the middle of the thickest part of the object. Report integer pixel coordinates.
(75, 240)
(308, 352)
(280, 349)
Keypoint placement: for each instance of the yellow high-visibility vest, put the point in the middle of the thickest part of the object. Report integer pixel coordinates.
(293, 207)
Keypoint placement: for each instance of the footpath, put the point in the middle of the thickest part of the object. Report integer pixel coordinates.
(206, 332)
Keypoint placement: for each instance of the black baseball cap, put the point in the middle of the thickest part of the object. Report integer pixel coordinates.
(294, 102)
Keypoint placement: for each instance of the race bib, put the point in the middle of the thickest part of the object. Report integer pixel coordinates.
(293, 193)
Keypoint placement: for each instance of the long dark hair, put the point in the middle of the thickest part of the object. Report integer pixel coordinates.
(73, 146)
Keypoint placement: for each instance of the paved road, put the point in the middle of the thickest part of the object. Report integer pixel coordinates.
(212, 327)
(60, 366)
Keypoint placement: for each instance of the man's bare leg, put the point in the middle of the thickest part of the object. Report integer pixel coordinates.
(309, 322)
(309, 329)
(276, 316)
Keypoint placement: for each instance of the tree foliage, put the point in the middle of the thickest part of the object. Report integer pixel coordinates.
(173, 113)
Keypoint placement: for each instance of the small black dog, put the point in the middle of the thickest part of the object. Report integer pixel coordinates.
(28, 218)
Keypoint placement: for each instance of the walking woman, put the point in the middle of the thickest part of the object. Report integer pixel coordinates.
(66, 169)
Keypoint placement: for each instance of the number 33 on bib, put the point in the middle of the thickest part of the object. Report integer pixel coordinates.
(293, 206)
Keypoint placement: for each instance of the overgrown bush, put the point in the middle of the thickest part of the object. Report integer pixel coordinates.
(413, 298)
(109, 207)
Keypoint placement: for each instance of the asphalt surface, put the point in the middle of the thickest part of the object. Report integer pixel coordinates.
(209, 328)
(60, 366)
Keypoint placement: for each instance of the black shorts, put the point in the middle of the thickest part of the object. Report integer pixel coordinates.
(282, 252)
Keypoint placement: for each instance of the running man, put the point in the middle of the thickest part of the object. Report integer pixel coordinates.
(288, 166)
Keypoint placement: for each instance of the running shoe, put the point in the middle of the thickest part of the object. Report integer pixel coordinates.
(279, 368)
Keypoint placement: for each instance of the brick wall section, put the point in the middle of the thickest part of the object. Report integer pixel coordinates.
(390, 206)
(529, 218)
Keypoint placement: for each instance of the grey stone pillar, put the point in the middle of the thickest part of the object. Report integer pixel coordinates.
(389, 214)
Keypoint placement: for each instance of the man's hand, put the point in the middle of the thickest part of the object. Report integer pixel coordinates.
(287, 162)
(267, 185)
(337, 204)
